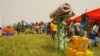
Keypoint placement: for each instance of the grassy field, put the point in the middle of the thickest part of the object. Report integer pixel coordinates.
(31, 45)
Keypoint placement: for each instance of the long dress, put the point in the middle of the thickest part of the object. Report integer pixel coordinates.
(62, 44)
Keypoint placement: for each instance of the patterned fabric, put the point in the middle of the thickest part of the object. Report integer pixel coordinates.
(61, 36)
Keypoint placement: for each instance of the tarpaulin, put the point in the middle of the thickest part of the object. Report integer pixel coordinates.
(93, 15)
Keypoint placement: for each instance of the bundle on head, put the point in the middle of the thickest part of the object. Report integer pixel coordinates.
(63, 10)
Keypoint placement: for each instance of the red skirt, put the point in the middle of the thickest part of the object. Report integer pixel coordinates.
(48, 31)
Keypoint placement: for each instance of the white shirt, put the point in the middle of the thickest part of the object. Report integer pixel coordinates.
(77, 25)
(95, 29)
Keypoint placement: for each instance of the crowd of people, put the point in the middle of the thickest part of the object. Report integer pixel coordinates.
(22, 27)
(51, 28)
(37, 28)
(91, 31)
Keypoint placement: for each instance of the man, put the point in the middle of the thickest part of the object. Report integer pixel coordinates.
(78, 29)
(94, 31)
(54, 29)
(18, 28)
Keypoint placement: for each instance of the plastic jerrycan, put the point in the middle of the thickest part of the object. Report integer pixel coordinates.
(71, 52)
(84, 41)
(79, 53)
(89, 53)
(75, 42)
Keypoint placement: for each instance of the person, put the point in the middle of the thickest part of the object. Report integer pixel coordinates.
(93, 34)
(26, 28)
(44, 28)
(14, 26)
(0, 31)
(98, 37)
(83, 21)
(54, 29)
(85, 34)
(49, 30)
(78, 29)
(68, 31)
(71, 28)
(37, 27)
(18, 28)
(33, 28)
(94, 31)
(22, 27)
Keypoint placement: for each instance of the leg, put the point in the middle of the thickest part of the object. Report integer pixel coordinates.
(53, 35)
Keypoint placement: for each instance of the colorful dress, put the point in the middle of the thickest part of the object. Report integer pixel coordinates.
(62, 44)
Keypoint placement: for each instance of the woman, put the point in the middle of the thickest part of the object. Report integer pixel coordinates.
(49, 30)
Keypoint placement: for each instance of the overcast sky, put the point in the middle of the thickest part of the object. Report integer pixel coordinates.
(36, 10)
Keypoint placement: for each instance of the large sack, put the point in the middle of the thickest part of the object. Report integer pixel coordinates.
(61, 10)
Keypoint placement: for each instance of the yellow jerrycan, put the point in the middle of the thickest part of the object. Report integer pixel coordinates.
(71, 52)
(75, 42)
(79, 53)
(84, 41)
(89, 53)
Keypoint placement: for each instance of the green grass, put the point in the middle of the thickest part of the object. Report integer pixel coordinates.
(31, 45)
(28, 45)
(96, 51)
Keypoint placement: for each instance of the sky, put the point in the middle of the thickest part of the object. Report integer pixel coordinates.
(13, 11)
